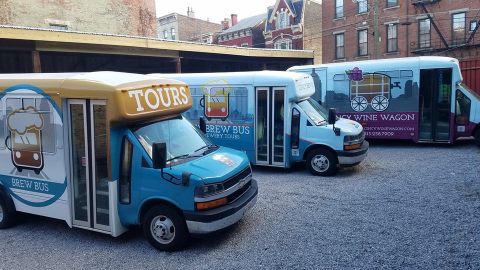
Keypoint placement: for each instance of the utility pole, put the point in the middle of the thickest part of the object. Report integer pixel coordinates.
(376, 35)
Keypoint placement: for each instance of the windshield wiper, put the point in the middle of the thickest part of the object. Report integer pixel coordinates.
(182, 157)
(209, 146)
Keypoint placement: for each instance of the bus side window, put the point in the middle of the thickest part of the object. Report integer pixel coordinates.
(2, 126)
(341, 87)
(49, 138)
(462, 108)
(126, 172)
(295, 141)
(238, 103)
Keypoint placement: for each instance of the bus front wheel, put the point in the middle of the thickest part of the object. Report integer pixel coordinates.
(165, 228)
(322, 162)
(477, 136)
(7, 210)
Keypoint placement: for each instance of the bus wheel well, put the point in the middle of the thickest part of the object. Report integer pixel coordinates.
(154, 202)
(317, 146)
(476, 134)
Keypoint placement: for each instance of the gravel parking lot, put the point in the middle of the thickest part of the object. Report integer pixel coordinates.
(407, 206)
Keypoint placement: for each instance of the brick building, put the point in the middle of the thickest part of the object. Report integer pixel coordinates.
(176, 26)
(405, 28)
(123, 17)
(295, 24)
(246, 33)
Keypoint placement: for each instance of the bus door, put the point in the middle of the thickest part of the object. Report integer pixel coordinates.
(89, 163)
(269, 126)
(435, 105)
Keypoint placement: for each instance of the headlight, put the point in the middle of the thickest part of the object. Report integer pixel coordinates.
(352, 142)
(209, 190)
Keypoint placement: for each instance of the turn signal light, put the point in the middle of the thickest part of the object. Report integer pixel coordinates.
(352, 147)
(211, 204)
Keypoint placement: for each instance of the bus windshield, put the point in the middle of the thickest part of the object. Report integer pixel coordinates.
(181, 137)
(464, 86)
(314, 111)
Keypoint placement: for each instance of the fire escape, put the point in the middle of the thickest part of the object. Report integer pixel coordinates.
(441, 45)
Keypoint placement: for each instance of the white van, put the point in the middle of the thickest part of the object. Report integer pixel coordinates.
(271, 116)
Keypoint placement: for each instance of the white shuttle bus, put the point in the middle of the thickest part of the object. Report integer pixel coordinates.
(271, 116)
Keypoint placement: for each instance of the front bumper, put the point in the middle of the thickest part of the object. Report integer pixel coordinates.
(201, 222)
(351, 158)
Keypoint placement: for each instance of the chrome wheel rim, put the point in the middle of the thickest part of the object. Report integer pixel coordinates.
(320, 163)
(162, 229)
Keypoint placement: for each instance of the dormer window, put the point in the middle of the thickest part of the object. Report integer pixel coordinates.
(282, 20)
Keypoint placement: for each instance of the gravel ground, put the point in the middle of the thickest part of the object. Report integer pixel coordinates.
(407, 206)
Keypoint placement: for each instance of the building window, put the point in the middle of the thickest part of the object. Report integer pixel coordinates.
(424, 33)
(173, 34)
(338, 8)
(458, 28)
(362, 6)
(57, 26)
(282, 20)
(283, 44)
(339, 46)
(165, 34)
(362, 42)
(473, 25)
(392, 37)
(392, 3)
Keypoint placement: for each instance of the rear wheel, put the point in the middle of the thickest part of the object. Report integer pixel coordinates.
(7, 211)
(322, 162)
(165, 228)
(477, 136)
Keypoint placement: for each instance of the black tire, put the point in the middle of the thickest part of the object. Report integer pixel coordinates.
(165, 228)
(477, 136)
(322, 162)
(7, 210)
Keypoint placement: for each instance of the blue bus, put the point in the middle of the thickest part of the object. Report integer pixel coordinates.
(105, 151)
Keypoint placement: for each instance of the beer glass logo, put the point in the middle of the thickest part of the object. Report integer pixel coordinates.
(25, 139)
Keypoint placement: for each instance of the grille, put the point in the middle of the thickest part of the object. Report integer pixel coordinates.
(232, 197)
(234, 179)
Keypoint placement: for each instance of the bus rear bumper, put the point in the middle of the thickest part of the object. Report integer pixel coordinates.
(202, 222)
(352, 158)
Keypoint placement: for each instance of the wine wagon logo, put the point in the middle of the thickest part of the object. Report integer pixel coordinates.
(216, 100)
(25, 139)
(368, 88)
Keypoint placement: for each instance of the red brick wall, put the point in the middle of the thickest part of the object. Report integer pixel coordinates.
(238, 41)
(407, 15)
(297, 44)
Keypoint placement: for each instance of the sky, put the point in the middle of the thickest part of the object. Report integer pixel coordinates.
(214, 10)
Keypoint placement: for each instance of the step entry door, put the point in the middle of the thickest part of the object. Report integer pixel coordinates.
(89, 163)
(435, 104)
(269, 126)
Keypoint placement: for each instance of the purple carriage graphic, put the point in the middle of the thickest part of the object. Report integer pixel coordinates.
(365, 89)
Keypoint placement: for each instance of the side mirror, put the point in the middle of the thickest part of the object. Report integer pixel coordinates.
(332, 116)
(203, 125)
(159, 154)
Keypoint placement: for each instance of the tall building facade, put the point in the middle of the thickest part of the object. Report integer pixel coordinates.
(372, 29)
(122, 17)
(175, 26)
